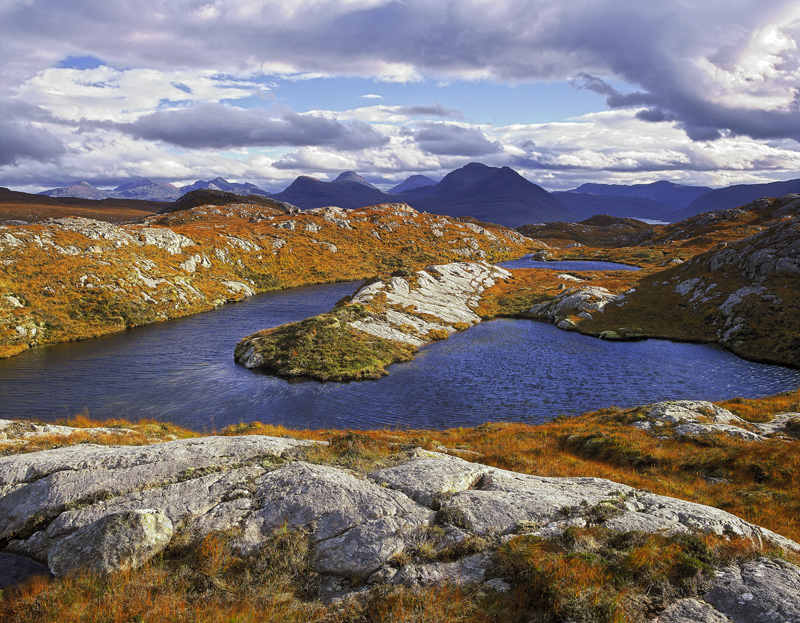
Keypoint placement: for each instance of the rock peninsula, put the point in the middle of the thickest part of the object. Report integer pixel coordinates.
(384, 322)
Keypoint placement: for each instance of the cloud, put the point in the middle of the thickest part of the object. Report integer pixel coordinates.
(454, 140)
(21, 140)
(372, 96)
(314, 159)
(707, 65)
(216, 126)
(436, 110)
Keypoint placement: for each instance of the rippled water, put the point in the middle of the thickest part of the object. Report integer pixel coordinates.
(526, 262)
(183, 371)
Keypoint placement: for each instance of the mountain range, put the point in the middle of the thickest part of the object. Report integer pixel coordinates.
(492, 194)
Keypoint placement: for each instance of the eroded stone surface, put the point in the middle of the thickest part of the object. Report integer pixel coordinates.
(698, 417)
(122, 540)
(442, 296)
(761, 591)
(358, 526)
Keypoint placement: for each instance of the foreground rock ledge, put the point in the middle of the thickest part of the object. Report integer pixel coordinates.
(107, 508)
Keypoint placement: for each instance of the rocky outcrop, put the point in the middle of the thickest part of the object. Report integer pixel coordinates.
(107, 508)
(117, 541)
(584, 301)
(439, 298)
(384, 322)
(698, 418)
(747, 290)
(72, 278)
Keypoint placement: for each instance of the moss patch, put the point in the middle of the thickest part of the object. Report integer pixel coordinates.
(326, 348)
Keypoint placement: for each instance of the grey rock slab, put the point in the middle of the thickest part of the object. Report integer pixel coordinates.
(449, 292)
(428, 478)
(183, 453)
(327, 499)
(179, 501)
(505, 502)
(81, 474)
(361, 551)
(680, 411)
(119, 541)
(760, 591)
(778, 423)
(468, 570)
(691, 611)
(697, 417)
(224, 516)
(506, 499)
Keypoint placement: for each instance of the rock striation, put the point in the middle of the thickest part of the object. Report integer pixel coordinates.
(107, 508)
(439, 298)
(384, 322)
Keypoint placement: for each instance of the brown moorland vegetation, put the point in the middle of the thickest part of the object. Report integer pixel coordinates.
(74, 279)
(17, 206)
(588, 574)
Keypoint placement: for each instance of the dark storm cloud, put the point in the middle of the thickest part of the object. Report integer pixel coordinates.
(21, 139)
(691, 61)
(614, 97)
(453, 140)
(430, 111)
(216, 126)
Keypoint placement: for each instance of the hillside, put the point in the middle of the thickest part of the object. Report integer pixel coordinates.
(308, 192)
(729, 277)
(735, 196)
(671, 196)
(489, 194)
(138, 188)
(73, 278)
(17, 206)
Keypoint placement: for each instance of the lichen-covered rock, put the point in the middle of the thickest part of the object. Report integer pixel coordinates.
(37, 487)
(761, 591)
(356, 524)
(440, 296)
(431, 519)
(573, 301)
(117, 541)
(698, 417)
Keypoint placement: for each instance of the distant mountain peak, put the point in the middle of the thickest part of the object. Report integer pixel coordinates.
(415, 181)
(352, 176)
(136, 182)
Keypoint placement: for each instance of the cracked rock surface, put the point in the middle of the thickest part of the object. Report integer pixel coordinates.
(109, 508)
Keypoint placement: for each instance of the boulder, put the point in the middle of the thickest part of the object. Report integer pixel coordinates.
(118, 541)
(761, 591)
(698, 417)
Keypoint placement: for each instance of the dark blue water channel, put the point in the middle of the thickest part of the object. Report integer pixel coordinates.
(182, 371)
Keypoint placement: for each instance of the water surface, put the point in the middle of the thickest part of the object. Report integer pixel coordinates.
(183, 371)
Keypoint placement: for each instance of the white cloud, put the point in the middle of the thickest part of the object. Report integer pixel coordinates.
(110, 94)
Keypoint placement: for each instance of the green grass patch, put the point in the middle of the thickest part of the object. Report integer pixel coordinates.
(326, 348)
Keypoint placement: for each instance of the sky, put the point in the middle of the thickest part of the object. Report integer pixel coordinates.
(703, 92)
